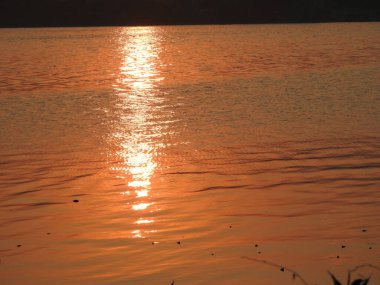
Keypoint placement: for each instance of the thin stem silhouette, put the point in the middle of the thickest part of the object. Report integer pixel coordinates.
(359, 267)
(295, 273)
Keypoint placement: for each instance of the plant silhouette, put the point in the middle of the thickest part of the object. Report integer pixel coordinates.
(296, 275)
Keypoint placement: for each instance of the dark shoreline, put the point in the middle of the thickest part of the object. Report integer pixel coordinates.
(95, 13)
(186, 24)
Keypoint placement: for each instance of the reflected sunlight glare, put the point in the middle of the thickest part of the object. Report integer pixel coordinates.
(138, 98)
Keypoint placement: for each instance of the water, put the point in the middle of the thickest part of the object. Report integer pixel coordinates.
(215, 137)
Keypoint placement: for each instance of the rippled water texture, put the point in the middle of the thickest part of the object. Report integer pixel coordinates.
(184, 147)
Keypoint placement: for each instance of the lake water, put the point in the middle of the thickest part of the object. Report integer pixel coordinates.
(188, 148)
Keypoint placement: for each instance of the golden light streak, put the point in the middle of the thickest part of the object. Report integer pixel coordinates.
(138, 76)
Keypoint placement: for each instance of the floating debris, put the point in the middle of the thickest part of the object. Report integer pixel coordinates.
(19, 245)
(230, 227)
(337, 256)
(256, 245)
(343, 246)
(178, 242)
(364, 230)
(75, 201)
(173, 282)
(282, 269)
(212, 254)
(48, 234)
(370, 247)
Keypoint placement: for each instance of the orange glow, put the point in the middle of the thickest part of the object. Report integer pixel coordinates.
(139, 222)
(142, 193)
(135, 87)
(139, 207)
(258, 134)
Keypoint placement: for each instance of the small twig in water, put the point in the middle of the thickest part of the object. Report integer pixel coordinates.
(295, 274)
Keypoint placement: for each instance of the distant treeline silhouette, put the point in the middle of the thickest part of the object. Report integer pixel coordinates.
(33, 13)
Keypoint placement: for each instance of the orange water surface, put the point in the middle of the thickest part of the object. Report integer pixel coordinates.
(147, 155)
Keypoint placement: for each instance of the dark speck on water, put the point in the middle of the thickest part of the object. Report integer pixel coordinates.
(178, 242)
(19, 245)
(282, 269)
(75, 201)
(343, 246)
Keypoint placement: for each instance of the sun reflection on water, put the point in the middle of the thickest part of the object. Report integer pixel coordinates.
(135, 87)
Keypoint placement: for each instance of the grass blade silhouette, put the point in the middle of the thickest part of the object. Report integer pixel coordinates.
(336, 281)
(295, 274)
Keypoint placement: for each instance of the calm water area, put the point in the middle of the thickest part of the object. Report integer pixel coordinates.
(187, 148)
